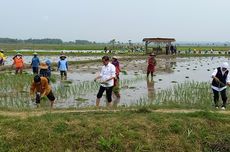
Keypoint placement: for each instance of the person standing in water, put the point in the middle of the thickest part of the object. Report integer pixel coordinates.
(151, 64)
(221, 79)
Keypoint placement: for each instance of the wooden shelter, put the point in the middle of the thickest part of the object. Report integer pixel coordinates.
(158, 41)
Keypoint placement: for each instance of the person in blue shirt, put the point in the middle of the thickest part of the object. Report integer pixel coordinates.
(48, 63)
(35, 63)
(63, 67)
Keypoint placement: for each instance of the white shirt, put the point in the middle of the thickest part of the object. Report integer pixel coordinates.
(227, 80)
(108, 71)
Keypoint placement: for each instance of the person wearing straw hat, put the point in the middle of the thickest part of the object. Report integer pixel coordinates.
(18, 63)
(44, 70)
(221, 79)
(35, 63)
(63, 66)
(151, 64)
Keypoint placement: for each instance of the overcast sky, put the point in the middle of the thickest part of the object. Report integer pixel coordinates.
(123, 20)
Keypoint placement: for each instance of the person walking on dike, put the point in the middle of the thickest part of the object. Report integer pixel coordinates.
(63, 67)
(18, 63)
(221, 79)
(106, 77)
(2, 57)
(40, 88)
(35, 63)
(116, 89)
(151, 64)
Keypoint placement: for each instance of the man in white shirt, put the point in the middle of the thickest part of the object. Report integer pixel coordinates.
(221, 79)
(106, 77)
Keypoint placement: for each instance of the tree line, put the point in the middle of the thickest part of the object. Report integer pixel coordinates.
(42, 41)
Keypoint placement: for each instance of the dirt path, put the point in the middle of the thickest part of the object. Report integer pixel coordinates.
(24, 115)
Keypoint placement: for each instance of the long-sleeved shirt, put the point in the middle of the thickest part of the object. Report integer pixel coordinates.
(43, 87)
(63, 65)
(35, 62)
(18, 62)
(108, 71)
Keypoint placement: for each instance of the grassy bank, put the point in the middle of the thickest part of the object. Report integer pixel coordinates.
(121, 131)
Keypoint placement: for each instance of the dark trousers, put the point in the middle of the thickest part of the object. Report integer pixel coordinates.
(108, 93)
(35, 70)
(223, 96)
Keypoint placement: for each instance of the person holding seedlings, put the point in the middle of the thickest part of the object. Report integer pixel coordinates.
(35, 63)
(116, 90)
(151, 64)
(18, 63)
(40, 87)
(221, 79)
(63, 66)
(106, 76)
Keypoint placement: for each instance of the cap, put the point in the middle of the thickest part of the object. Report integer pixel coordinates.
(224, 65)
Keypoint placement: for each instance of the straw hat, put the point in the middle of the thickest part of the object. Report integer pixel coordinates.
(62, 56)
(43, 66)
(18, 54)
(152, 54)
(114, 57)
(35, 53)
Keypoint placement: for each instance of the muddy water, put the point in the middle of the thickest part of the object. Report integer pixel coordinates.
(170, 72)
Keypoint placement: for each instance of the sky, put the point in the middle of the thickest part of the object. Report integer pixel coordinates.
(122, 20)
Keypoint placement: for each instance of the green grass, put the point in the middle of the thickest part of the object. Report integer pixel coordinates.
(123, 131)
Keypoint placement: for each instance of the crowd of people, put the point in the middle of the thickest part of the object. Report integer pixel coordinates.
(108, 78)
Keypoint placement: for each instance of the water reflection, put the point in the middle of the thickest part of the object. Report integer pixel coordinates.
(150, 89)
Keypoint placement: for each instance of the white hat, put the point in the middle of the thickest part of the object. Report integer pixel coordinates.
(224, 65)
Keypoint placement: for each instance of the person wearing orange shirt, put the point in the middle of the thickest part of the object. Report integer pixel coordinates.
(40, 87)
(18, 63)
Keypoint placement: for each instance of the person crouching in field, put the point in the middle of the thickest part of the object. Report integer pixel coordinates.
(63, 67)
(221, 79)
(41, 88)
(151, 64)
(106, 76)
(18, 63)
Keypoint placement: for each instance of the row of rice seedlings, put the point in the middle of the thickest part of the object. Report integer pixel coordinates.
(67, 91)
(189, 94)
(14, 90)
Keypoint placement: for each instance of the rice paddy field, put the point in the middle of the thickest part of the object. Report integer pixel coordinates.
(173, 111)
(179, 81)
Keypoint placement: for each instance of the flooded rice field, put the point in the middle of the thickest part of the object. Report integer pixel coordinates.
(80, 90)
(134, 84)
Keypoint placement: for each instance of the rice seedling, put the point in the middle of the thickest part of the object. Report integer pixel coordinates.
(189, 94)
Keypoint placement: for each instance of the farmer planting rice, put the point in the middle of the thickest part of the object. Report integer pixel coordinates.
(106, 76)
(151, 64)
(40, 87)
(35, 63)
(220, 81)
(18, 63)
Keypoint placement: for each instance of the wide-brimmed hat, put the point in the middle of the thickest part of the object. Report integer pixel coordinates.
(1, 50)
(35, 53)
(62, 56)
(152, 54)
(114, 57)
(43, 66)
(18, 54)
